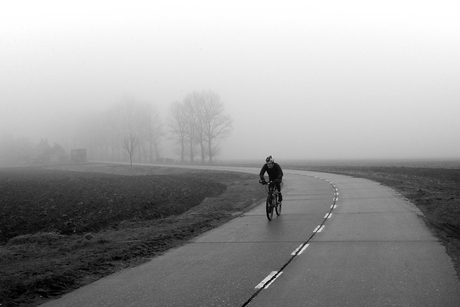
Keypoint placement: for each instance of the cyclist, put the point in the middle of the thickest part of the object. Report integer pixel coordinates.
(275, 173)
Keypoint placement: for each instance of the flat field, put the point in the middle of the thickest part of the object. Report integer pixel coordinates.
(63, 228)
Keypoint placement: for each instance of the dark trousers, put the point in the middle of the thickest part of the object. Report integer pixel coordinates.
(278, 186)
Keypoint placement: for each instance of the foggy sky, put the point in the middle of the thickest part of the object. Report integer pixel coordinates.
(301, 79)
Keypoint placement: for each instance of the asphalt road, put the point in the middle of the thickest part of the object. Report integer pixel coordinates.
(340, 241)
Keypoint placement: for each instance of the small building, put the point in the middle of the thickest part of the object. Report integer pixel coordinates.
(57, 154)
(44, 154)
(40, 154)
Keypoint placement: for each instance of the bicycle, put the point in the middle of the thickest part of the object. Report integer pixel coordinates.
(272, 199)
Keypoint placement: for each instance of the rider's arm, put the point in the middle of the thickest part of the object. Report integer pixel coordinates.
(262, 172)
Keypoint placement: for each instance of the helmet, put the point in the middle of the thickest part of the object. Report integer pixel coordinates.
(270, 159)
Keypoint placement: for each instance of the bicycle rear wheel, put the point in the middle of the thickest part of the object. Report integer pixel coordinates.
(278, 206)
(269, 207)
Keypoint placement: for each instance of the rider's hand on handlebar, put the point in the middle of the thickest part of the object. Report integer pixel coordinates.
(262, 181)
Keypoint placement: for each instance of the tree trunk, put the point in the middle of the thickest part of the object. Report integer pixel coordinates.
(210, 153)
(203, 155)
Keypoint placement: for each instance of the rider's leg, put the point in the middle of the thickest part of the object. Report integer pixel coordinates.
(278, 186)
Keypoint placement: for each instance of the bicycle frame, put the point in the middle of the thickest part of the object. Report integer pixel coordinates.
(271, 188)
(272, 200)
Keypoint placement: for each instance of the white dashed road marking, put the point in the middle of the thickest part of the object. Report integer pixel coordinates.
(301, 247)
(263, 283)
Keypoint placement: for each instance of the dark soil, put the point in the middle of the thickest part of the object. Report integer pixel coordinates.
(63, 229)
(34, 200)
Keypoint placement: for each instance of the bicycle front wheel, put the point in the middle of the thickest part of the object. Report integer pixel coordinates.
(269, 208)
(278, 206)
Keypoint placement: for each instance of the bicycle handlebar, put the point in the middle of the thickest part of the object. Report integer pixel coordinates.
(269, 182)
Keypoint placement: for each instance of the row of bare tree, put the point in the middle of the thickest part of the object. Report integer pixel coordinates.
(198, 123)
(128, 127)
(135, 129)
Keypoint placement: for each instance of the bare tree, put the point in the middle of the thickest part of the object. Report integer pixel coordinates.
(193, 125)
(154, 131)
(141, 123)
(198, 106)
(200, 120)
(131, 145)
(177, 123)
(130, 128)
(115, 131)
(216, 124)
(128, 125)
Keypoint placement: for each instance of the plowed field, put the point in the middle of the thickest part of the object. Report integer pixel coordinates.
(61, 229)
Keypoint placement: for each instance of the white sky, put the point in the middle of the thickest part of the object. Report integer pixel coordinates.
(301, 79)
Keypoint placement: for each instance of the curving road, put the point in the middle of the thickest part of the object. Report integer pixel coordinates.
(340, 241)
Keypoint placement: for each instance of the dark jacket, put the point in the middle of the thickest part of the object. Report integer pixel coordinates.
(273, 173)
